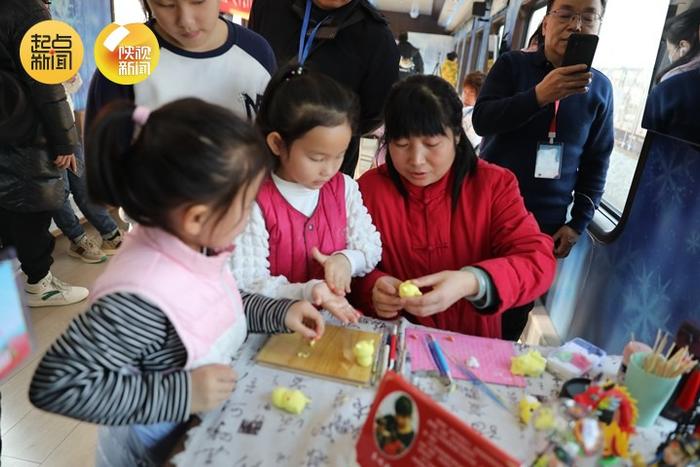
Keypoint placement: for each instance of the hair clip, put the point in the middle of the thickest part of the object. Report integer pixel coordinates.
(141, 115)
(297, 71)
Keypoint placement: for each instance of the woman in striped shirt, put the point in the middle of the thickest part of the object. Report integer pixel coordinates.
(166, 317)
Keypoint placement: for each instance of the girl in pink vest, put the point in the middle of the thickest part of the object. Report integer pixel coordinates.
(309, 231)
(166, 318)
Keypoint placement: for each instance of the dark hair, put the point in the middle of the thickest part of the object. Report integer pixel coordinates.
(536, 36)
(427, 105)
(452, 55)
(403, 36)
(683, 27)
(188, 152)
(403, 406)
(147, 9)
(475, 79)
(551, 2)
(298, 100)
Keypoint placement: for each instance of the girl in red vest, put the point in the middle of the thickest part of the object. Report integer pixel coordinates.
(309, 231)
(453, 224)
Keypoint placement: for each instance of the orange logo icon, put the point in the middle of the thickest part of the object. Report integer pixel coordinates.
(126, 54)
(51, 52)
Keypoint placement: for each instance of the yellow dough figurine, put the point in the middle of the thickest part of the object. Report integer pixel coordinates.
(528, 364)
(364, 350)
(526, 407)
(290, 400)
(409, 289)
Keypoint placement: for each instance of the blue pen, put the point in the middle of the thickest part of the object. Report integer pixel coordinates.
(439, 358)
(481, 385)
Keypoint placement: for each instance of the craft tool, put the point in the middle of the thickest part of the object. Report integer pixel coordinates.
(483, 387)
(392, 349)
(440, 361)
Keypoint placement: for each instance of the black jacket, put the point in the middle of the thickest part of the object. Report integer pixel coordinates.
(358, 49)
(410, 56)
(36, 123)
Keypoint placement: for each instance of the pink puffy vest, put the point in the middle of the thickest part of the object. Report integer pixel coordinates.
(197, 293)
(293, 235)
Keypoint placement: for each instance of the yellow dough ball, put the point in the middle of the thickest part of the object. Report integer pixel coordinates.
(364, 350)
(409, 289)
(289, 400)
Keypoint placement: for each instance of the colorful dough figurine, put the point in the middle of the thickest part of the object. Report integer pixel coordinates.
(290, 400)
(364, 350)
(409, 289)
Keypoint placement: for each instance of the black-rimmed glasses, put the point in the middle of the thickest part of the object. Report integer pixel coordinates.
(588, 18)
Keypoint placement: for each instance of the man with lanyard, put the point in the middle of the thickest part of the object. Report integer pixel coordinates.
(349, 40)
(552, 126)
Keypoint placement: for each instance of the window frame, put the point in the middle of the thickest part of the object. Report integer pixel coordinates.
(608, 222)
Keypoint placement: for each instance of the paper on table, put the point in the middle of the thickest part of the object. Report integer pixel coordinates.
(493, 354)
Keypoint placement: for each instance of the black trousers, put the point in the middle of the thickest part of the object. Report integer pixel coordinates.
(513, 321)
(28, 233)
(352, 155)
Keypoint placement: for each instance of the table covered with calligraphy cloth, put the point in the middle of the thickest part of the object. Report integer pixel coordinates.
(247, 431)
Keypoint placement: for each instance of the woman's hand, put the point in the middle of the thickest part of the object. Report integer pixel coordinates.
(304, 318)
(211, 386)
(337, 271)
(385, 297)
(448, 287)
(338, 306)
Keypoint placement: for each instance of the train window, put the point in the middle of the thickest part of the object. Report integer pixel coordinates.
(626, 54)
(535, 20)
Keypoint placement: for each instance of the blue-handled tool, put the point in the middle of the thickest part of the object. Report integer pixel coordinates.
(439, 359)
(481, 385)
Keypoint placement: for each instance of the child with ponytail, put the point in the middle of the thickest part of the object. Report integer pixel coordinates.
(166, 317)
(309, 232)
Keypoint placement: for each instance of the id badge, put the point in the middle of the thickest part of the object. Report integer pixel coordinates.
(548, 162)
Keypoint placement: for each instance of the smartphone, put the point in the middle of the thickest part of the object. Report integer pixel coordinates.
(580, 49)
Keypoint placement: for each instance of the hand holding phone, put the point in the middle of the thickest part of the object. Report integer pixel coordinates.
(580, 49)
(573, 76)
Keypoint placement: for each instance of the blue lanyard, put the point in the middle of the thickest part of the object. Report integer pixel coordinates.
(305, 46)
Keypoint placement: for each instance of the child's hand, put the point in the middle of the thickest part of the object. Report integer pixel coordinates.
(303, 318)
(338, 306)
(337, 271)
(385, 297)
(211, 385)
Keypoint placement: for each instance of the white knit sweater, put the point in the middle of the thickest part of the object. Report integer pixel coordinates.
(250, 260)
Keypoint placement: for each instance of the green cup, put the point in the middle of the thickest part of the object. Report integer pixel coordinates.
(649, 390)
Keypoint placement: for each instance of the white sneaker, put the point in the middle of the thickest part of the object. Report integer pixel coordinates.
(86, 249)
(50, 291)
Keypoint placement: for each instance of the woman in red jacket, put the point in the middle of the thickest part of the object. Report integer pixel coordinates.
(454, 225)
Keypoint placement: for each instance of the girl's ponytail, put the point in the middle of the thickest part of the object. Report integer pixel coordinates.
(187, 152)
(108, 148)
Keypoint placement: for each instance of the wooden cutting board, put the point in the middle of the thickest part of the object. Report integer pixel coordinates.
(331, 357)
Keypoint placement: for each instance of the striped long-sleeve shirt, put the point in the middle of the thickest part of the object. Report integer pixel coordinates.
(122, 362)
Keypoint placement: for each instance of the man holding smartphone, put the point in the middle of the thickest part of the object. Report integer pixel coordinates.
(552, 125)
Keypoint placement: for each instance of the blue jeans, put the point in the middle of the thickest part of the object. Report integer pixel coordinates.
(137, 445)
(66, 219)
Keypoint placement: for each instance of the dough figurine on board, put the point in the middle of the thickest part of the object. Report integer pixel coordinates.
(364, 351)
(409, 289)
(289, 400)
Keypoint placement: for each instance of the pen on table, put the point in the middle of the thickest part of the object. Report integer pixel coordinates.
(439, 358)
(481, 385)
(385, 359)
(392, 350)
